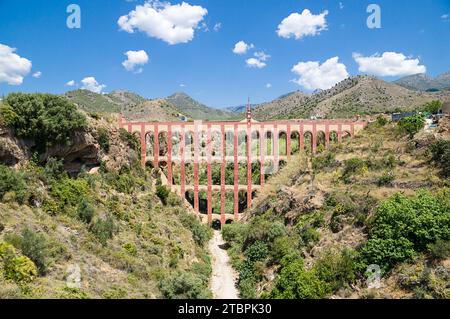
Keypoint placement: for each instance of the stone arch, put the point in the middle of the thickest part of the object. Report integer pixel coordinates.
(282, 143)
(333, 137)
(269, 169)
(189, 148)
(308, 141)
(203, 202)
(216, 140)
(320, 141)
(176, 143)
(216, 224)
(189, 196)
(346, 135)
(242, 201)
(256, 172)
(229, 143)
(268, 140)
(255, 145)
(216, 172)
(295, 142)
(189, 173)
(149, 143)
(242, 143)
(163, 143)
(242, 173)
(229, 221)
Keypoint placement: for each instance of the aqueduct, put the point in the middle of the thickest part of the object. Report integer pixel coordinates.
(210, 149)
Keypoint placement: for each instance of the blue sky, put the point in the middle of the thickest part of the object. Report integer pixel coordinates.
(205, 66)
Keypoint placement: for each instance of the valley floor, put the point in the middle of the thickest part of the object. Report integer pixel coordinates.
(223, 279)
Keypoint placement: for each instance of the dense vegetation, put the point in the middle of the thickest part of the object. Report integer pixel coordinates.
(43, 118)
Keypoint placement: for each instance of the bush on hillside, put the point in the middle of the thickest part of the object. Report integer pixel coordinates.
(15, 267)
(200, 233)
(404, 226)
(103, 139)
(103, 229)
(411, 125)
(13, 181)
(45, 118)
(440, 151)
(432, 107)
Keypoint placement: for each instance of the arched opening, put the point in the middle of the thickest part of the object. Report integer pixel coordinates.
(203, 173)
(189, 145)
(163, 144)
(308, 140)
(242, 201)
(203, 202)
(176, 174)
(189, 173)
(189, 195)
(176, 144)
(269, 143)
(256, 173)
(229, 174)
(333, 137)
(320, 141)
(149, 143)
(229, 143)
(203, 143)
(216, 224)
(229, 202)
(242, 174)
(282, 143)
(216, 170)
(346, 136)
(216, 140)
(295, 142)
(215, 197)
(255, 145)
(164, 167)
(242, 143)
(269, 169)
(281, 164)
(228, 222)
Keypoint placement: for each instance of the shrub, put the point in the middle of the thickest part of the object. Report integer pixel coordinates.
(35, 247)
(85, 211)
(440, 249)
(12, 181)
(20, 269)
(70, 192)
(256, 251)
(381, 120)
(234, 233)
(293, 282)
(163, 193)
(200, 233)
(54, 168)
(404, 226)
(130, 249)
(336, 269)
(103, 229)
(183, 285)
(440, 151)
(411, 125)
(353, 166)
(103, 139)
(131, 140)
(45, 118)
(324, 161)
(7, 115)
(432, 107)
(386, 179)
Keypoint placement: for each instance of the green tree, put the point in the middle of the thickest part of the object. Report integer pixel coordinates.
(411, 125)
(432, 107)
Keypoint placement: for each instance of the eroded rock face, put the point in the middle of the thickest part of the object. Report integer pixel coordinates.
(83, 152)
(12, 149)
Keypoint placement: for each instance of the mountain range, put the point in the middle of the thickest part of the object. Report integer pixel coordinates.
(423, 82)
(359, 95)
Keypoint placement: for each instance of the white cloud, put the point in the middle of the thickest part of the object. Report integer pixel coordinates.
(37, 74)
(91, 84)
(313, 75)
(135, 60)
(255, 63)
(218, 26)
(13, 68)
(241, 47)
(71, 83)
(171, 23)
(302, 25)
(262, 56)
(268, 85)
(389, 64)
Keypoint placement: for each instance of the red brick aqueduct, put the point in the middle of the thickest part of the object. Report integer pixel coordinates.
(164, 144)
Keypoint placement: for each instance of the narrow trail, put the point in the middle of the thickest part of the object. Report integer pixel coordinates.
(223, 275)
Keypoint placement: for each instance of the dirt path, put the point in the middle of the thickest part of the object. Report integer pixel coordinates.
(223, 275)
